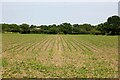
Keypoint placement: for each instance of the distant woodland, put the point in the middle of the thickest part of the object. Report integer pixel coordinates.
(110, 27)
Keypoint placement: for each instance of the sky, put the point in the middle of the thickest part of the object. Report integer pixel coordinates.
(40, 13)
(59, 0)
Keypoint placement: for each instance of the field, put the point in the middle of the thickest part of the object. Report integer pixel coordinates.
(59, 56)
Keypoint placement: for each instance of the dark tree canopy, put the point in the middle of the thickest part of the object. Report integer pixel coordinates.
(66, 28)
(110, 27)
(24, 28)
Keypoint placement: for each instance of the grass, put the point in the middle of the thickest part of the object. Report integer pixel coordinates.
(59, 56)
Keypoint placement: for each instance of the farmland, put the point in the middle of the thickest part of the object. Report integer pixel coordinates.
(59, 56)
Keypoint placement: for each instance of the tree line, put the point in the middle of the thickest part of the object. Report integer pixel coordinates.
(110, 27)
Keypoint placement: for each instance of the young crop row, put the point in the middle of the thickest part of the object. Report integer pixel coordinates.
(84, 56)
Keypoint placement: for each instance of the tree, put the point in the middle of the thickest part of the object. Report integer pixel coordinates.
(14, 28)
(100, 27)
(5, 28)
(33, 26)
(53, 29)
(114, 24)
(66, 28)
(24, 28)
(10, 28)
(111, 27)
(85, 28)
(75, 29)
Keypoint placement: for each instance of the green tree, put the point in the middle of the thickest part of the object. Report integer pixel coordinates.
(33, 26)
(111, 27)
(76, 29)
(14, 28)
(5, 28)
(66, 28)
(114, 24)
(53, 29)
(85, 28)
(24, 28)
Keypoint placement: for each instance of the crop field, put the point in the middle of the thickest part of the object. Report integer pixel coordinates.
(59, 56)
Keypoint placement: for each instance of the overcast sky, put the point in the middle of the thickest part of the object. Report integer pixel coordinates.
(59, 0)
(57, 12)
